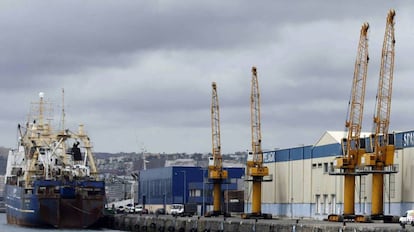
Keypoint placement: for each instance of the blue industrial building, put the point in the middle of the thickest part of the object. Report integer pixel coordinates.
(182, 184)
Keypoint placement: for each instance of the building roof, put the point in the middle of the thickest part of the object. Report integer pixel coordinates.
(181, 162)
(330, 137)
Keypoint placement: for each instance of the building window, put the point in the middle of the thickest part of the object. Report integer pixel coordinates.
(317, 204)
(314, 165)
(392, 185)
(325, 168)
(365, 205)
(319, 165)
(325, 205)
(195, 193)
(333, 203)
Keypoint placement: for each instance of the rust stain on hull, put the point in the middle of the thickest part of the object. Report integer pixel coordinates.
(71, 213)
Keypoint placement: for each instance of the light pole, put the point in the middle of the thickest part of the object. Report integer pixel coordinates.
(185, 185)
(165, 196)
(227, 198)
(204, 193)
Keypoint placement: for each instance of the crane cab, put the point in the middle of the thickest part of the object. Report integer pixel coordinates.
(210, 162)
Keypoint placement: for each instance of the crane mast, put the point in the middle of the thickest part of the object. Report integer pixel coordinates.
(255, 121)
(215, 129)
(216, 172)
(351, 146)
(255, 168)
(383, 104)
(383, 148)
(354, 120)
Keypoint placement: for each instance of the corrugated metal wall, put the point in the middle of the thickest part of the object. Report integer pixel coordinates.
(182, 184)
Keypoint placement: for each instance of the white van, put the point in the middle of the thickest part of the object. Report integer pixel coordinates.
(177, 209)
(407, 218)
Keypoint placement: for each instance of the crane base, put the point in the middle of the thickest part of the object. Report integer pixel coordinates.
(386, 218)
(256, 216)
(351, 218)
(217, 214)
(391, 219)
(335, 218)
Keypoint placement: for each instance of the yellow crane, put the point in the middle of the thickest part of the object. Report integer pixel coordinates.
(215, 168)
(351, 146)
(255, 168)
(381, 160)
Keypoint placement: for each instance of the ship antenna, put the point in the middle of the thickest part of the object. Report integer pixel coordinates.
(63, 109)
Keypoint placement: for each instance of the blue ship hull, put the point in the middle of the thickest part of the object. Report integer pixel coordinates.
(76, 204)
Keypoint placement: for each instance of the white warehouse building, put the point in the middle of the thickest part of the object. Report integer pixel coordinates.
(302, 186)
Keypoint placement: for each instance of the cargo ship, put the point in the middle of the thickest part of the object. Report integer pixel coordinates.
(51, 179)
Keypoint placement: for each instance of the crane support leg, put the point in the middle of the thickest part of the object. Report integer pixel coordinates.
(257, 197)
(349, 196)
(377, 194)
(217, 197)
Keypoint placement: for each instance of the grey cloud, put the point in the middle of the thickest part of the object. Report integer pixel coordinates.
(148, 66)
(49, 37)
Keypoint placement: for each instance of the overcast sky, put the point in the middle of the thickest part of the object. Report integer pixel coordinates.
(139, 73)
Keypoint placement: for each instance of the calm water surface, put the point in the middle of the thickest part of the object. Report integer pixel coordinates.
(4, 227)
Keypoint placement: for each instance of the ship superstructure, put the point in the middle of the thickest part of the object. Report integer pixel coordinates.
(51, 177)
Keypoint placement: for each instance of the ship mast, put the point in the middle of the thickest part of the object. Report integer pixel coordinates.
(63, 109)
(41, 103)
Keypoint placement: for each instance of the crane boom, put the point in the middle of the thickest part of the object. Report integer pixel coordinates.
(215, 128)
(383, 101)
(354, 121)
(255, 120)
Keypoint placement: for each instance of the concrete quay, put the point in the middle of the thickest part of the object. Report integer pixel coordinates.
(168, 223)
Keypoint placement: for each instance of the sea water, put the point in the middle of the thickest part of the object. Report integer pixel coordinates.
(4, 227)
